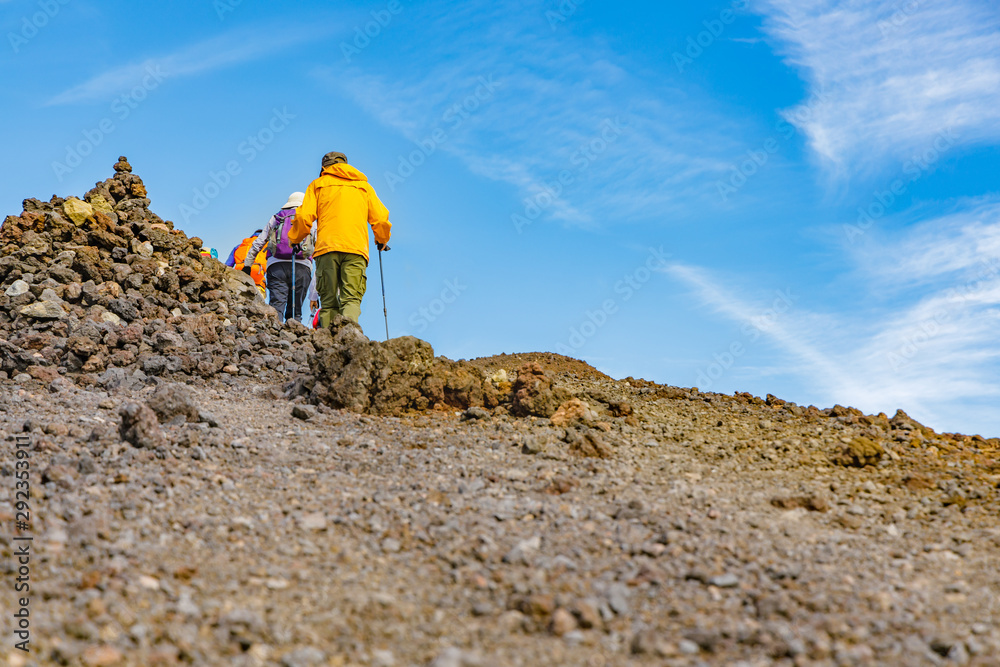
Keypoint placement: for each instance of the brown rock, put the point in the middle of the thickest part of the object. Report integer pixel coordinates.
(813, 503)
(82, 346)
(588, 443)
(918, 482)
(44, 374)
(562, 623)
(140, 427)
(587, 615)
(859, 453)
(534, 393)
(33, 243)
(94, 364)
(203, 328)
(102, 656)
(536, 606)
(648, 642)
(574, 411)
(172, 400)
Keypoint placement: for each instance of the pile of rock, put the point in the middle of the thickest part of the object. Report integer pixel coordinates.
(352, 372)
(104, 291)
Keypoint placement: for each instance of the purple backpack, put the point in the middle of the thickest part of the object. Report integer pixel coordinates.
(278, 245)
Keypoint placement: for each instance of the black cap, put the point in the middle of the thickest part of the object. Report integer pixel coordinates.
(333, 158)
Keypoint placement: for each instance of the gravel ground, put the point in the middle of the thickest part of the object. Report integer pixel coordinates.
(692, 529)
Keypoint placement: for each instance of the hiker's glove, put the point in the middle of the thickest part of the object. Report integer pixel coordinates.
(247, 270)
(382, 246)
(297, 248)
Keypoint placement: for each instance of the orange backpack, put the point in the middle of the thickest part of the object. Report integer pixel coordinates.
(259, 267)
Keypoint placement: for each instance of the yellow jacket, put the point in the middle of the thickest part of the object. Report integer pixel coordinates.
(343, 201)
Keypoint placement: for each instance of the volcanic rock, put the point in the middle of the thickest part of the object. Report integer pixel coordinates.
(140, 427)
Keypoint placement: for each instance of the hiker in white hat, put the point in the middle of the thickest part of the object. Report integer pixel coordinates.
(289, 270)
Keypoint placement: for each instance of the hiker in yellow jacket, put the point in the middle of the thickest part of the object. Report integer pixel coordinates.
(343, 204)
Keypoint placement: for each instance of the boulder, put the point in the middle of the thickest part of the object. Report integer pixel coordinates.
(535, 394)
(140, 427)
(78, 211)
(174, 400)
(572, 412)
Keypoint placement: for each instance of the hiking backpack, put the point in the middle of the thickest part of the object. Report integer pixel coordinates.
(258, 265)
(278, 244)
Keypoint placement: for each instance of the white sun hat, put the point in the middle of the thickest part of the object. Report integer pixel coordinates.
(294, 200)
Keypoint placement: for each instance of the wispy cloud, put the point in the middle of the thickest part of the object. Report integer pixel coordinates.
(233, 48)
(889, 76)
(923, 332)
(555, 92)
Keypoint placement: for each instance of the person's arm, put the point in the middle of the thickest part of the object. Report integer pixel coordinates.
(305, 216)
(258, 243)
(231, 260)
(313, 294)
(378, 218)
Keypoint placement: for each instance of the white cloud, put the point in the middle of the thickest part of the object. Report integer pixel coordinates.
(888, 77)
(556, 97)
(922, 334)
(230, 49)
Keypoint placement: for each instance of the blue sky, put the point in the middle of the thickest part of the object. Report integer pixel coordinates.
(787, 197)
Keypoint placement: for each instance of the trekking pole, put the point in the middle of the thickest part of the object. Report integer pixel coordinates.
(295, 251)
(385, 312)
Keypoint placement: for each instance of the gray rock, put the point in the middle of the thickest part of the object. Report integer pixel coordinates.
(17, 288)
(454, 657)
(727, 580)
(474, 413)
(617, 597)
(174, 400)
(533, 444)
(43, 310)
(207, 418)
(303, 412)
(525, 551)
(140, 426)
(688, 647)
(303, 657)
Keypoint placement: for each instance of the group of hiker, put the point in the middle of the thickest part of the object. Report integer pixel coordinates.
(327, 225)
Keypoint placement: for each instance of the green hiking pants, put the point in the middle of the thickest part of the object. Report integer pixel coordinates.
(341, 283)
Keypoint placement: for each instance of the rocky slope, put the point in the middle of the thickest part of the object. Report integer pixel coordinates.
(210, 487)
